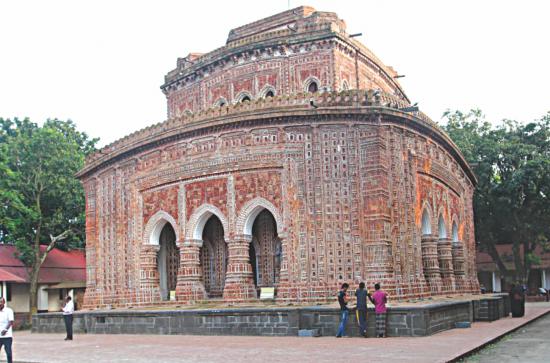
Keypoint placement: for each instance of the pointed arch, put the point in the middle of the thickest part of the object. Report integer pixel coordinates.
(345, 85)
(312, 85)
(426, 222)
(220, 102)
(243, 96)
(199, 218)
(268, 91)
(442, 229)
(250, 211)
(153, 228)
(455, 232)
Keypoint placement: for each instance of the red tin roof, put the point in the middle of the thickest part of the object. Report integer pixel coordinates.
(484, 261)
(60, 266)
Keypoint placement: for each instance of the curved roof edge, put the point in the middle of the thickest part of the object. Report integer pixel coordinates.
(345, 103)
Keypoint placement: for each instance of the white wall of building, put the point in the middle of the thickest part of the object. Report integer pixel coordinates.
(54, 304)
(19, 298)
(545, 275)
(42, 298)
(497, 285)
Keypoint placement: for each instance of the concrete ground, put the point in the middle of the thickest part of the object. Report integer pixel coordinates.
(530, 343)
(440, 347)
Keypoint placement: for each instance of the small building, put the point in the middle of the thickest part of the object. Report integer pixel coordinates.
(63, 273)
(493, 280)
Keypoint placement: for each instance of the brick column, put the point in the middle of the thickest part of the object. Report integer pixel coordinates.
(239, 282)
(283, 289)
(283, 274)
(430, 263)
(445, 258)
(375, 207)
(458, 266)
(149, 274)
(190, 286)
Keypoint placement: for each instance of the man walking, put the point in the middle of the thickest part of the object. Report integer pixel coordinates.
(343, 299)
(380, 298)
(361, 295)
(68, 310)
(6, 324)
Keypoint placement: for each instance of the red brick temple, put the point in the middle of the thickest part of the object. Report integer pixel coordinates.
(291, 158)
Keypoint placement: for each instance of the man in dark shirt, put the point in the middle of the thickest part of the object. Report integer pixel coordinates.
(361, 294)
(343, 299)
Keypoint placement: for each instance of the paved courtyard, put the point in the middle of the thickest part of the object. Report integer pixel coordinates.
(441, 347)
(527, 344)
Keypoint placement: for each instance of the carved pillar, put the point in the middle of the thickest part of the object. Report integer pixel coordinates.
(149, 275)
(190, 287)
(445, 257)
(239, 282)
(458, 266)
(283, 274)
(430, 263)
(283, 288)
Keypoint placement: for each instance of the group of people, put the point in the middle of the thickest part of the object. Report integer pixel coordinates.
(379, 299)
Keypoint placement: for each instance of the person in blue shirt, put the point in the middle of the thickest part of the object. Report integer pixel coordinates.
(361, 295)
(343, 299)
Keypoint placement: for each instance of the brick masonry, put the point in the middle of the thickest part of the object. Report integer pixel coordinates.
(356, 189)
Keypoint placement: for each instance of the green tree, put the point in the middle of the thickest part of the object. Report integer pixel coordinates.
(41, 201)
(512, 199)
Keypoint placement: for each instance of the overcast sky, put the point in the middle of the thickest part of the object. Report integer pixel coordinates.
(101, 63)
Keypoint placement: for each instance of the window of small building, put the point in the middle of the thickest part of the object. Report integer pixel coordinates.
(269, 94)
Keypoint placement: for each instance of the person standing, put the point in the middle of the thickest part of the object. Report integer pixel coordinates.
(68, 310)
(6, 324)
(380, 298)
(517, 301)
(343, 299)
(361, 295)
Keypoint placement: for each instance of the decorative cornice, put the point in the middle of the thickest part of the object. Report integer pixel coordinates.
(354, 105)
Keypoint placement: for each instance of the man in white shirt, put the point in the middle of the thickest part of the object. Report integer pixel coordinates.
(6, 324)
(68, 310)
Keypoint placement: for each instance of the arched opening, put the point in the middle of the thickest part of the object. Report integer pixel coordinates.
(269, 93)
(345, 86)
(245, 98)
(220, 102)
(442, 229)
(168, 261)
(455, 232)
(265, 250)
(426, 224)
(213, 257)
(313, 87)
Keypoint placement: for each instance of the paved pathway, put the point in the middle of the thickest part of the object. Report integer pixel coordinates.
(441, 347)
(528, 344)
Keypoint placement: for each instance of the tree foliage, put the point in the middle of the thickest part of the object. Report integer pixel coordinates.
(41, 202)
(512, 200)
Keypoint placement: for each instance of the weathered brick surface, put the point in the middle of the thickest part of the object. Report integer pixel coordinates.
(165, 199)
(351, 188)
(212, 191)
